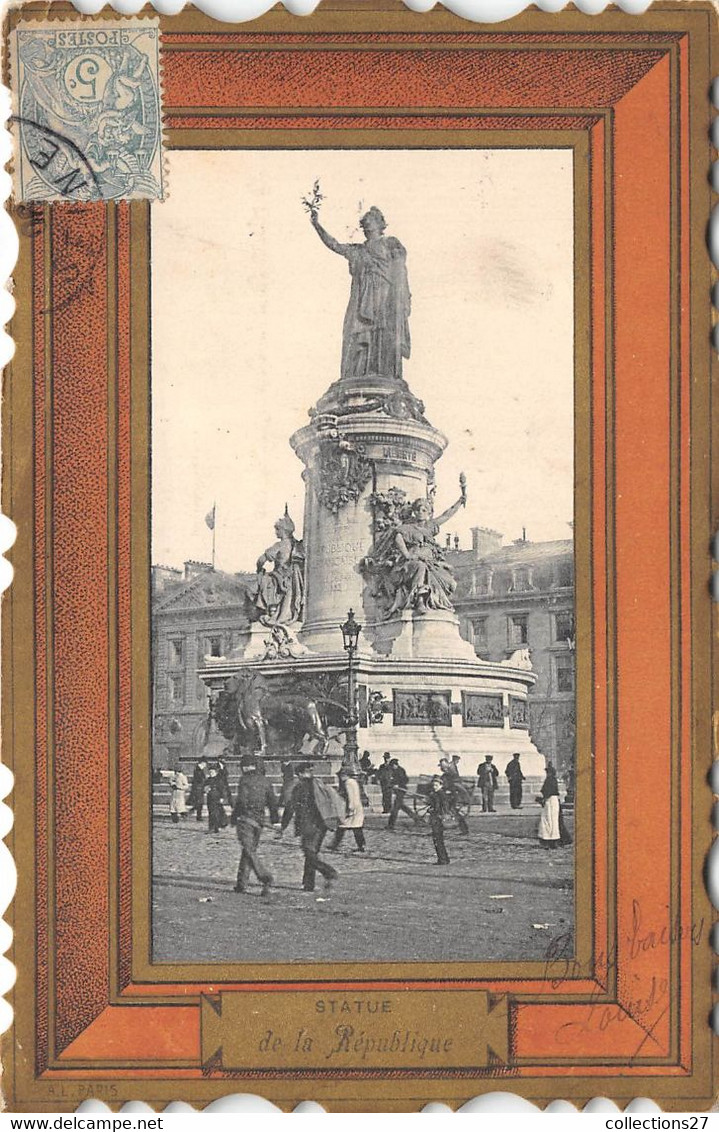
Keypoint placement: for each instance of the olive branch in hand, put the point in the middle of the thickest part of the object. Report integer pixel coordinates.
(313, 201)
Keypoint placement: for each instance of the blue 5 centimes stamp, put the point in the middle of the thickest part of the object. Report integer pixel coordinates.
(87, 110)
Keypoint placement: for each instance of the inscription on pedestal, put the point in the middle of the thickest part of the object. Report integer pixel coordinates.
(403, 454)
(482, 711)
(518, 714)
(335, 558)
(341, 553)
(422, 708)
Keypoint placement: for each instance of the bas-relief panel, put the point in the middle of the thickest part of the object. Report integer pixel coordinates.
(422, 708)
(482, 711)
(518, 712)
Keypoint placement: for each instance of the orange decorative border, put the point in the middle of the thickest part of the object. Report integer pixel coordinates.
(630, 95)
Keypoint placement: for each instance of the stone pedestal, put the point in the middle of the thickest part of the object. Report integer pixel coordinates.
(420, 711)
(354, 447)
(408, 636)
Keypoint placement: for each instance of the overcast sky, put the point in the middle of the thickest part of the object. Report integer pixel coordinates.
(247, 323)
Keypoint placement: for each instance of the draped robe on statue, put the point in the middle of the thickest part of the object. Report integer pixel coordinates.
(412, 569)
(376, 326)
(280, 592)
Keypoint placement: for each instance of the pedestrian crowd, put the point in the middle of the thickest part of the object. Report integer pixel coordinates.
(316, 808)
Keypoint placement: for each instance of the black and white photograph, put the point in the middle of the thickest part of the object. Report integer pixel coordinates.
(363, 592)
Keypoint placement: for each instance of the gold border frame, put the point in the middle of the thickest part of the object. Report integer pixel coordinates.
(18, 486)
(144, 969)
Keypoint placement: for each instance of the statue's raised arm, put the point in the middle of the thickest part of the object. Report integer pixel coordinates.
(461, 502)
(327, 240)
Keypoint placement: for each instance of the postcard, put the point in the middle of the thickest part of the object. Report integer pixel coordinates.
(357, 667)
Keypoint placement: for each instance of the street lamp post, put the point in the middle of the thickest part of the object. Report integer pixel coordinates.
(350, 635)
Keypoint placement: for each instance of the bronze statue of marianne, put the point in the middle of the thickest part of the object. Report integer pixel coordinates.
(376, 328)
(279, 597)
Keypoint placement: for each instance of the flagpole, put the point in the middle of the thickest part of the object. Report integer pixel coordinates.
(214, 528)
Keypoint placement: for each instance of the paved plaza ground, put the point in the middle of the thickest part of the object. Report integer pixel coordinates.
(391, 903)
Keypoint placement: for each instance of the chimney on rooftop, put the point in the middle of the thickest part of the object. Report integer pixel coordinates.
(193, 568)
(523, 540)
(485, 540)
(163, 576)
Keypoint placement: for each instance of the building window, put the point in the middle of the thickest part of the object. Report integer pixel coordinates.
(542, 579)
(518, 630)
(482, 582)
(521, 579)
(177, 689)
(564, 574)
(479, 634)
(564, 625)
(177, 653)
(564, 673)
(214, 646)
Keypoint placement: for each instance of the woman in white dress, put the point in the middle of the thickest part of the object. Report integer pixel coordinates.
(178, 785)
(354, 818)
(552, 831)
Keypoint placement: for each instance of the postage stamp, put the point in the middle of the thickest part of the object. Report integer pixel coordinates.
(87, 110)
(357, 666)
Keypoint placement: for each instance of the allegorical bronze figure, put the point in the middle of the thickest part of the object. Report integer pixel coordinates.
(279, 596)
(376, 326)
(407, 565)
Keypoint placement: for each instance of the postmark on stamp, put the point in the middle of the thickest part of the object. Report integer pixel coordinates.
(87, 113)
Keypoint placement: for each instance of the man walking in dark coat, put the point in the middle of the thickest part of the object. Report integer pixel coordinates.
(310, 828)
(366, 763)
(383, 775)
(400, 783)
(440, 806)
(366, 772)
(487, 777)
(220, 767)
(516, 778)
(197, 790)
(216, 816)
(254, 796)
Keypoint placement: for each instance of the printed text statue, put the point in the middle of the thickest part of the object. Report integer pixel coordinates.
(279, 598)
(408, 566)
(376, 326)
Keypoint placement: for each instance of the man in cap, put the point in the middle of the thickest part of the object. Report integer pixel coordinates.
(310, 828)
(216, 814)
(197, 790)
(487, 777)
(254, 796)
(440, 806)
(349, 789)
(400, 784)
(366, 772)
(383, 776)
(516, 778)
(366, 763)
(219, 765)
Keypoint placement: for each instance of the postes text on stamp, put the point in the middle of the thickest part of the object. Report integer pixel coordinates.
(87, 111)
